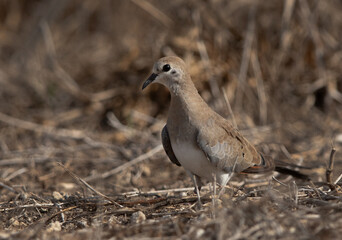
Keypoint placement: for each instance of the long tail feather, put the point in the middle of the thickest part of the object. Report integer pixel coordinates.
(268, 165)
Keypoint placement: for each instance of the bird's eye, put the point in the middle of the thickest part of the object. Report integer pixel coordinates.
(166, 68)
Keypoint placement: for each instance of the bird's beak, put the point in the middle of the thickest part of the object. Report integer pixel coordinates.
(149, 80)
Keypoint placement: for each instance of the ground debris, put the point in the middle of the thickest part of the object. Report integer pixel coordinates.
(80, 149)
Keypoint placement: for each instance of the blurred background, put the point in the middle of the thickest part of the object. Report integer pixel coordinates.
(71, 74)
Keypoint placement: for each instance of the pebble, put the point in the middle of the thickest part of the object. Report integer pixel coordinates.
(138, 217)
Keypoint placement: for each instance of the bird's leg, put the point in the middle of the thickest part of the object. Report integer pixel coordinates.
(194, 180)
(199, 184)
(212, 185)
(230, 175)
(214, 193)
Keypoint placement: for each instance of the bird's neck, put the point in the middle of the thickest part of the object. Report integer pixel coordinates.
(186, 102)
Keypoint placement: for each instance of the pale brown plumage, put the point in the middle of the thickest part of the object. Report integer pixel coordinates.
(198, 138)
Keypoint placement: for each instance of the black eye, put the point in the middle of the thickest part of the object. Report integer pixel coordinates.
(166, 68)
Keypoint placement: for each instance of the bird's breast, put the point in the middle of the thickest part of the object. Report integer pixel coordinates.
(194, 160)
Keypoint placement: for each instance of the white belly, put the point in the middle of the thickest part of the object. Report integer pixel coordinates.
(194, 160)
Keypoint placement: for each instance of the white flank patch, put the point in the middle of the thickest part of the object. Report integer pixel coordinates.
(194, 160)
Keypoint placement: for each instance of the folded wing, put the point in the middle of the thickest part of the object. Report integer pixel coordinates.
(226, 148)
(167, 146)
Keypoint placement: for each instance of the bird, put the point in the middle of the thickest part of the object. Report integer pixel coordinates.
(197, 138)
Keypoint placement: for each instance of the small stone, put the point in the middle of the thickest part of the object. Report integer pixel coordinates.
(138, 217)
(199, 233)
(338, 138)
(203, 217)
(81, 224)
(112, 221)
(54, 227)
(57, 196)
(146, 171)
(23, 196)
(68, 186)
(15, 223)
(183, 194)
(4, 235)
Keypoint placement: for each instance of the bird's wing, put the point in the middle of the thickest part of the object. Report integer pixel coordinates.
(226, 148)
(167, 146)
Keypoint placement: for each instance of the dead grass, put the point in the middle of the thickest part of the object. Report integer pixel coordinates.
(70, 93)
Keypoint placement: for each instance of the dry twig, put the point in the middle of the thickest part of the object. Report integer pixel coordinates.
(155, 12)
(229, 107)
(74, 176)
(330, 167)
(65, 133)
(126, 165)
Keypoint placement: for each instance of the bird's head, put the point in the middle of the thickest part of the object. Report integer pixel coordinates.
(169, 71)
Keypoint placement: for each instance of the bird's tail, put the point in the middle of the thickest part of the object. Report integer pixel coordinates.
(269, 165)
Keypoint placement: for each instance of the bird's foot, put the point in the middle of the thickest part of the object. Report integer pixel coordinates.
(199, 189)
(197, 205)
